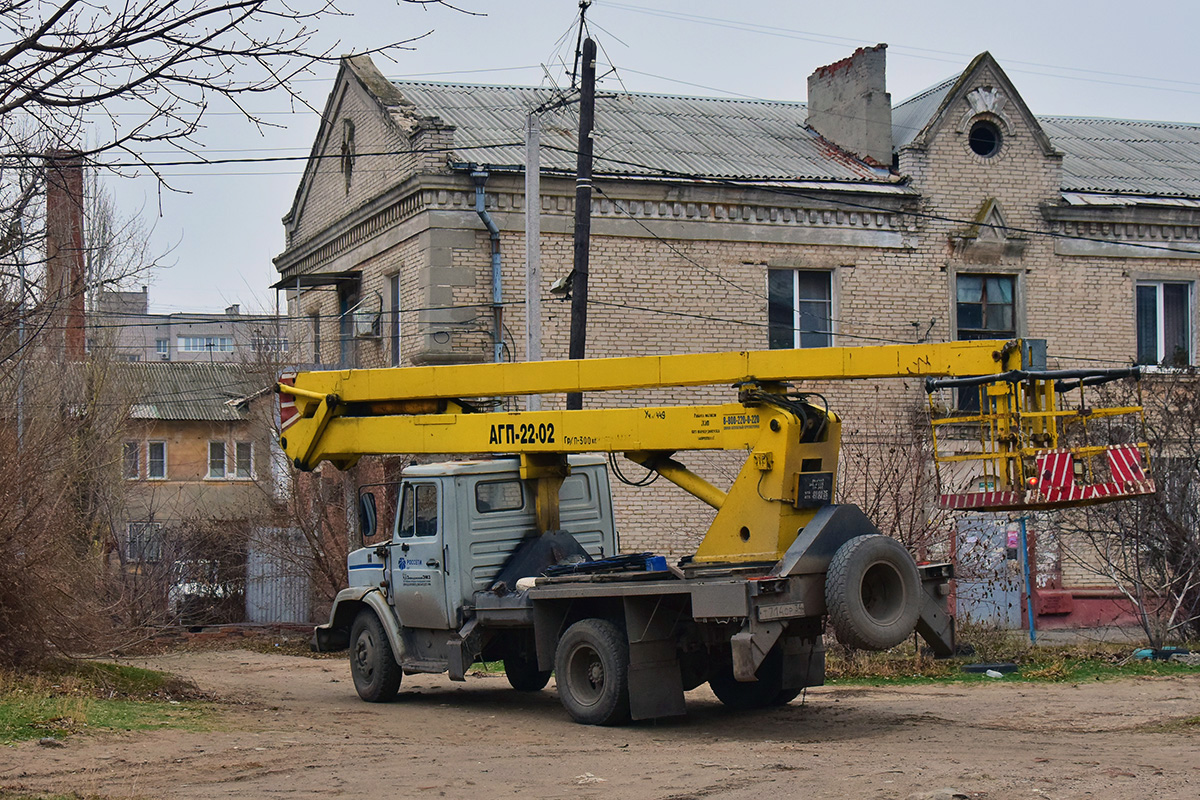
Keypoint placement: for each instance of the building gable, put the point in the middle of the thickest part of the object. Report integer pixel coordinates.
(981, 92)
(370, 139)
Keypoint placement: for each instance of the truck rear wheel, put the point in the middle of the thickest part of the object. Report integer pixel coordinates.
(749, 695)
(376, 674)
(523, 674)
(591, 666)
(873, 593)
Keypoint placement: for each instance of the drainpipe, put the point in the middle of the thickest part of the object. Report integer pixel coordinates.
(480, 177)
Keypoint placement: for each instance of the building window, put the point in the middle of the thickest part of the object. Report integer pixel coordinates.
(268, 344)
(985, 139)
(163, 348)
(144, 541)
(799, 308)
(216, 459)
(1164, 331)
(156, 460)
(131, 458)
(205, 344)
(315, 317)
(394, 317)
(985, 307)
(347, 151)
(347, 301)
(243, 460)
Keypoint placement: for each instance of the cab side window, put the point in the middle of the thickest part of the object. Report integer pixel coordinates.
(418, 514)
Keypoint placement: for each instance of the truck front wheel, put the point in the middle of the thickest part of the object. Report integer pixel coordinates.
(376, 674)
(591, 667)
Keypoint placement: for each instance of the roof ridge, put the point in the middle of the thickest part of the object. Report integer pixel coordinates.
(928, 91)
(1146, 122)
(510, 87)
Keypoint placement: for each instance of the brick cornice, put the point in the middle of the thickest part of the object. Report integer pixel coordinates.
(817, 209)
(1125, 232)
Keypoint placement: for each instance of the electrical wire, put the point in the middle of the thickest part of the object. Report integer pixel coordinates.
(650, 477)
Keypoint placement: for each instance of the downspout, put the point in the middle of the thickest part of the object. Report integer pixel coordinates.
(480, 177)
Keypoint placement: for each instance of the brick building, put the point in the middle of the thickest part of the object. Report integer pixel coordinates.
(199, 479)
(724, 224)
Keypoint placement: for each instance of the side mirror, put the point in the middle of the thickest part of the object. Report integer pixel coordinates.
(366, 514)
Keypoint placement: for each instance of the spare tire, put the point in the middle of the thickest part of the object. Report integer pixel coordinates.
(873, 593)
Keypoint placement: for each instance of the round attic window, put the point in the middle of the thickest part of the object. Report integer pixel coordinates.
(984, 138)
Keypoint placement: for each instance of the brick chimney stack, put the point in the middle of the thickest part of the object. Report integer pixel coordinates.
(65, 280)
(849, 105)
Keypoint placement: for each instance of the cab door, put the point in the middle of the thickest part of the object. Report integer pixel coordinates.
(418, 567)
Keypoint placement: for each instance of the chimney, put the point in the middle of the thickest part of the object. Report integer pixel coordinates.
(848, 104)
(65, 282)
(233, 310)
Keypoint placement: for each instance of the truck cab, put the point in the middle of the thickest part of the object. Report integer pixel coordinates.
(457, 524)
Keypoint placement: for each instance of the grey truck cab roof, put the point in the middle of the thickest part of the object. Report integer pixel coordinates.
(484, 466)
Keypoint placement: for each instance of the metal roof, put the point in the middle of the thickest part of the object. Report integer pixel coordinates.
(197, 391)
(1127, 156)
(642, 134)
(1115, 156)
(646, 135)
(910, 117)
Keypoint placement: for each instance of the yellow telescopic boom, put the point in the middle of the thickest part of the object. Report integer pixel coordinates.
(341, 415)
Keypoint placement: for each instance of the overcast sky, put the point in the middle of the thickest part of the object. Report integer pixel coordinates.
(1097, 58)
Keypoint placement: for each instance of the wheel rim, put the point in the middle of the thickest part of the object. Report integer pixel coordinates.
(364, 655)
(883, 593)
(585, 674)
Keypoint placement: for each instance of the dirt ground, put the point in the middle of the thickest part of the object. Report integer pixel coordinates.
(300, 731)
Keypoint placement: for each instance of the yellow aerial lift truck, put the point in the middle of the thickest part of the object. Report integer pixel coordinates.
(514, 556)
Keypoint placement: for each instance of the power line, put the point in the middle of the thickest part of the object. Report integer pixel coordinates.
(272, 159)
(943, 56)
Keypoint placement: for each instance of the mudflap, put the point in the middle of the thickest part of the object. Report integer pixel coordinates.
(803, 661)
(655, 681)
(934, 624)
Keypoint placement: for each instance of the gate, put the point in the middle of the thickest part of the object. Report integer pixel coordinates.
(277, 580)
(988, 570)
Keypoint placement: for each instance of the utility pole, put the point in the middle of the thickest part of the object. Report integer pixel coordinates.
(533, 247)
(583, 211)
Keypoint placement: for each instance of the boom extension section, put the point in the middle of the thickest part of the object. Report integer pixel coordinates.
(792, 440)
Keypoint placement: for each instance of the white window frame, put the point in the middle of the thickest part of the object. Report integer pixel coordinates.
(1159, 319)
(261, 343)
(150, 460)
(205, 344)
(797, 332)
(237, 446)
(162, 347)
(208, 471)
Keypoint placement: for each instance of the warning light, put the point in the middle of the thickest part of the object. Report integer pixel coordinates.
(1032, 482)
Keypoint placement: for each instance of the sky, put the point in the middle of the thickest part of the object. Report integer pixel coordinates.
(217, 227)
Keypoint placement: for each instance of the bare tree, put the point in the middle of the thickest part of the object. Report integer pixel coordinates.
(887, 469)
(149, 68)
(106, 81)
(1149, 548)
